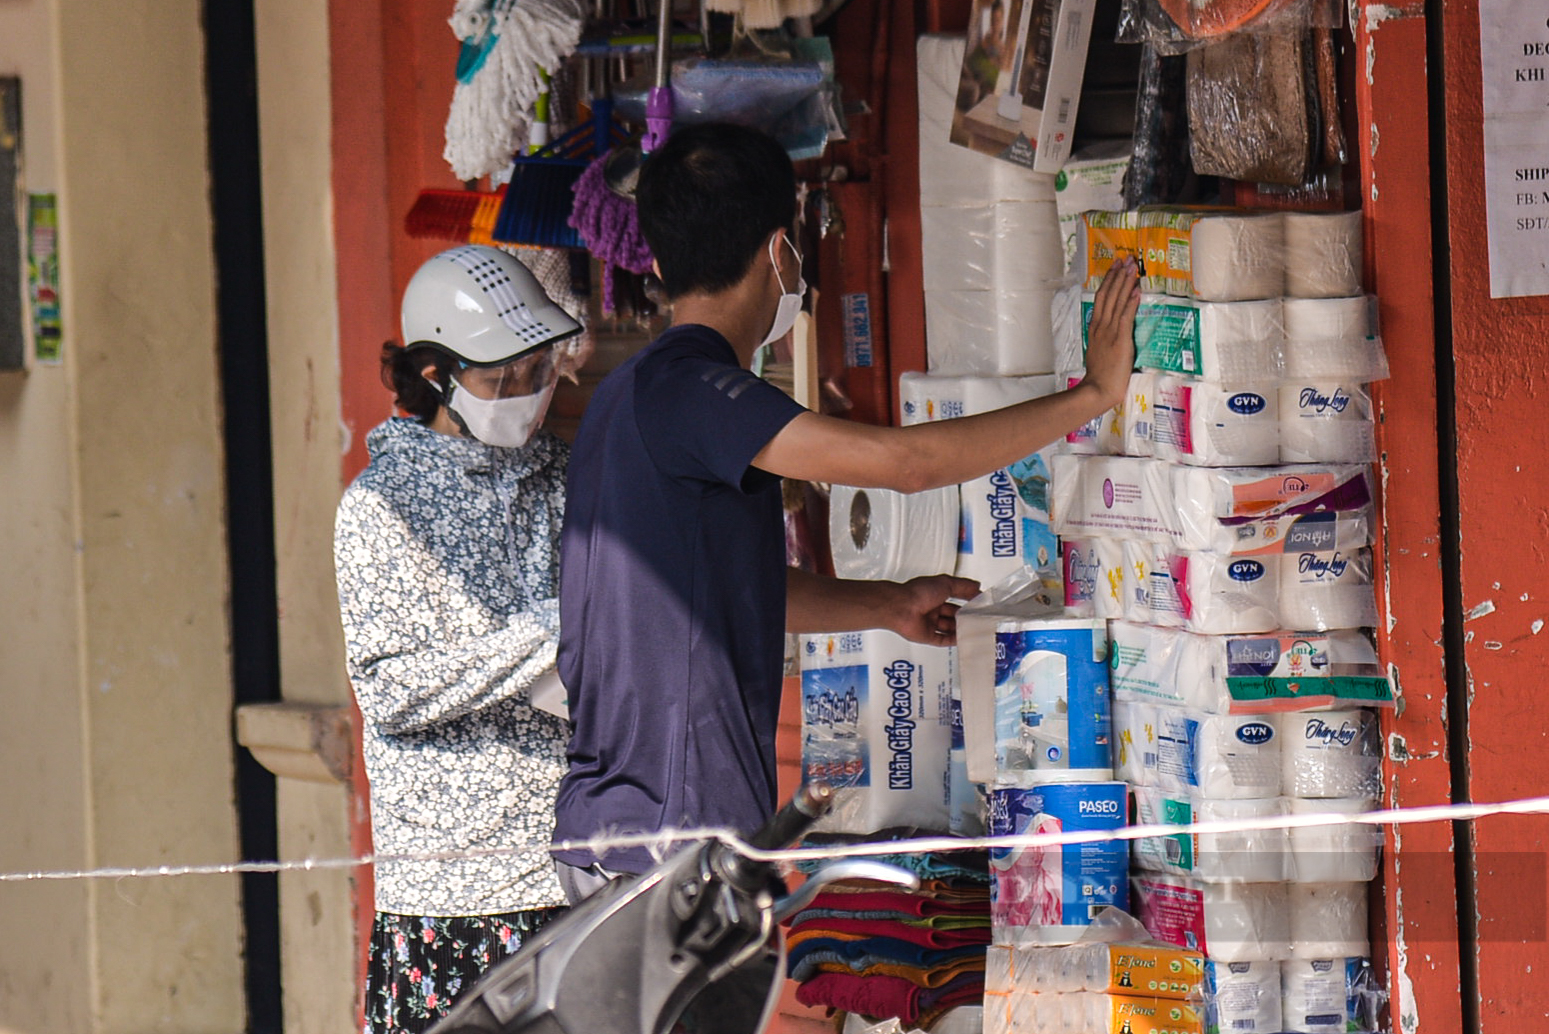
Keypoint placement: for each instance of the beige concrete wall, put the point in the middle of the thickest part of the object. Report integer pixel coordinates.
(114, 662)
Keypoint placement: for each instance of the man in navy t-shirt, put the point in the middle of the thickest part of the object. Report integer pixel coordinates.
(674, 592)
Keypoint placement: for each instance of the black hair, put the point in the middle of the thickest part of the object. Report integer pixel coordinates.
(403, 375)
(708, 200)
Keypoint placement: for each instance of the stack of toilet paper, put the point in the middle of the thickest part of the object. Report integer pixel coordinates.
(990, 235)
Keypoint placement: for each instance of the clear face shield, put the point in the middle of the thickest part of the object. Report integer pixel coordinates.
(503, 405)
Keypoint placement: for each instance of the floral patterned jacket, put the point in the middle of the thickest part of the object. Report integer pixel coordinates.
(446, 552)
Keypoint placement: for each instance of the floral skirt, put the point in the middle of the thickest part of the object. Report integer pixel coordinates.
(419, 965)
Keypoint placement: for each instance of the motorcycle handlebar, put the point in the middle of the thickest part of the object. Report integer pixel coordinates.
(786, 826)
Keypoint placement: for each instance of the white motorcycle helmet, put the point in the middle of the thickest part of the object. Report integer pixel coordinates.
(481, 306)
(485, 309)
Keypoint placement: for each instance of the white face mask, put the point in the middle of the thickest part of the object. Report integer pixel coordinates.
(507, 422)
(790, 301)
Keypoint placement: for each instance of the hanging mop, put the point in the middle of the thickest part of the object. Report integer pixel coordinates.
(507, 46)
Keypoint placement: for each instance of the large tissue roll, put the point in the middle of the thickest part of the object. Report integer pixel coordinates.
(1332, 754)
(1229, 922)
(1332, 339)
(1322, 254)
(882, 535)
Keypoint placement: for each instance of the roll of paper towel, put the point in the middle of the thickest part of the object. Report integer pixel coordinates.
(1332, 854)
(1268, 537)
(1332, 339)
(1051, 701)
(1218, 756)
(1206, 425)
(958, 247)
(1094, 577)
(1213, 594)
(1251, 856)
(1219, 256)
(1168, 666)
(1326, 422)
(878, 534)
(1323, 590)
(1122, 497)
(1134, 743)
(1322, 254)
(1204, 496)
(877, 726)
(1049, 895)
(1329, 996)
(1243, 996)
(1230, 343)
(1330, 754)
(1328, 919)
(1229, 922)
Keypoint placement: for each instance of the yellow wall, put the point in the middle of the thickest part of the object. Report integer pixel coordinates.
(114, 665)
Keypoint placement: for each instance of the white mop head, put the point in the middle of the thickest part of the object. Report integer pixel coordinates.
(490, 113)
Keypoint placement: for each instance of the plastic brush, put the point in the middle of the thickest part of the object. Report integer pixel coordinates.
(466, 216)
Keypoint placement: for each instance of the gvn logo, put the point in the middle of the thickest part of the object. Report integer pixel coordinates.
(1255, 733)
(1245, 570)
(1246, 403)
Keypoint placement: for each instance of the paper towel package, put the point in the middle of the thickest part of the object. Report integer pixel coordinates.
(1027, 1012)
(1333, 339)
(1206, 425)
(1329, 996)
(876, 725)
(1103, 239)
(1243, 996)
(1141, 563)
(1271, 536)
(1333, 854)
(1051, 701)
(932, 396)
(1203, 495)
(1219, 256)
(1021, 596)
(1226, 343)
(1134, 743)
(957, 245)
(879, 534)
(1122, 497)
(1159, 971)
(1208, 592)
(1331, 754)
(991, 332)
(1218, 757)
(1328, 589)
(1276, 671)
(1050, 894)
(1094, 577)
(1322, 254)
(1253, 856)
(1125, 430)
(1026, 245)
(1229, 922)
(1328, 920)
(1326, 422)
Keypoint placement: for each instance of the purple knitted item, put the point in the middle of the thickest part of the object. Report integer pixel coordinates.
(610, 227)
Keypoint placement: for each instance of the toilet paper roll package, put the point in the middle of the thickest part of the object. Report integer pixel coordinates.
(1251, 856)
(1328, 920)
(1205, 495)
(1333, 339)
(1322, 254)
(876, 725)
(1226, 343)
(1051, 701)
(1104, 238)
(990, 333)
(1121, 967)
(1004, 521)
(1218, 256)
(1329, 996)
(1142, 562)
(1270, 536)
(1206, 425)
(1125, 430)
(1326, 422)
(1120, 497)
(1229, 922)
(1211, 593)
(1094, 577)
(1331, 754)
(1024, 1012)
(1333, 854)
(1218, 757)
(1243, 996)
(879, 534)
(1050, 894)
(1329, 589)
(1275, 671)
(1027, 246)
(1134, 743)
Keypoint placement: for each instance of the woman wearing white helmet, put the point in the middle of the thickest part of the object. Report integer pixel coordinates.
(446, 553)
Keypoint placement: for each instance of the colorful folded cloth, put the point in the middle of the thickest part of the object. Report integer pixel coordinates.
(883, 949)
(893, 901)
(883, 997)
(972, 865)
(856, 929)
(941, 922)
(959, 992)
(936, 969)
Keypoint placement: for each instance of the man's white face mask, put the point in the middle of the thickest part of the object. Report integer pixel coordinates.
(790, 301)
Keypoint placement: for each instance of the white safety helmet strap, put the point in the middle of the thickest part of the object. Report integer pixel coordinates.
(482, 306)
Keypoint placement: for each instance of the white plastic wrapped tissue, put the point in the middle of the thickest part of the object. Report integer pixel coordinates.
(1322, 254)
(879, 534)
(1218, 756)
(1331, 754)
(1206, 425)
(1229, 922)
(1333, 339)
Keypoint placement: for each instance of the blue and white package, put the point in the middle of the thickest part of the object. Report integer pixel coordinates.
(877, 726)
(1052, 711)
(1050, 895)
(965, 798)
(1220, 757)
(1329, 996)
(1242, 997)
